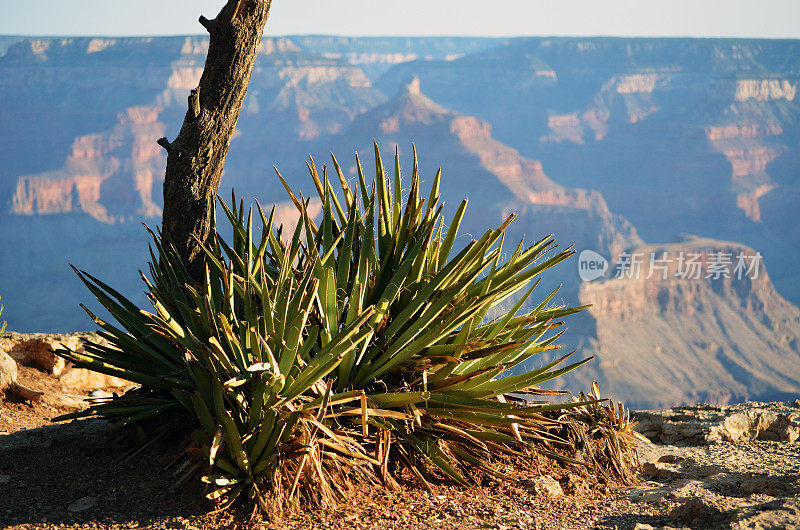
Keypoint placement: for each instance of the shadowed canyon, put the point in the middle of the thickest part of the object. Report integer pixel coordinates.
(656, 148)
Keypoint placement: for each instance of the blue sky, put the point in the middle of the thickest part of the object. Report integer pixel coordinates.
(703, 18)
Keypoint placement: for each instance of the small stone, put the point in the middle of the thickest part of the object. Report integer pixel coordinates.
(661, 471)
(547, 485)
(707, 470)
(5, 479)
(83, 504)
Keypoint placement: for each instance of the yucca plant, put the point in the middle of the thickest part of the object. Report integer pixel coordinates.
(356, 347)
(234, 352)
(603, 433)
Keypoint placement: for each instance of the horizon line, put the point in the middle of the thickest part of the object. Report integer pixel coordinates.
(403, 36)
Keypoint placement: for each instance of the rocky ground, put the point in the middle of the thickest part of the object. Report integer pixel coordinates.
(723, 467)
(38, 385)
(705, 467)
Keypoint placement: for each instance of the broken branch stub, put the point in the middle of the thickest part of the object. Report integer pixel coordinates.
(196, 157)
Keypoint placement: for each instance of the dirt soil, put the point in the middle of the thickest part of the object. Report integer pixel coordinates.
(83, 474)
(78, 476)
(16, 415)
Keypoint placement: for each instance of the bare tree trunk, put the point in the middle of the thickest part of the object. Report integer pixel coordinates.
(196, 157)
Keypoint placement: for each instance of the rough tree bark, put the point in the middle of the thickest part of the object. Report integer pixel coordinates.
(196, 157)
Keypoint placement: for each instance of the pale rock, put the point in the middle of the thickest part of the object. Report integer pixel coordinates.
(657, 470)
(37, 349)
(8, 379)
(636, 83)
(702, 424)
(8, 371)
(547, 485)
(782, 429)
(81, 379)
(765, 89)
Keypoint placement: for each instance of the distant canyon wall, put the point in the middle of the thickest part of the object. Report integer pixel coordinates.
(606, 143)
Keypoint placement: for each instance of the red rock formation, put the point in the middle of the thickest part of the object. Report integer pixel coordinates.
(95, 161)
(665, 341)
(743, 130)
(765, 89)
(524, 177)
(743, 138)
(502, 178)
(747, 146)
(566, 128)
(114, 175)
(40, 195)
(662, 279)
(298, 97)
(634, 90)
(748, 202)
(641, 83)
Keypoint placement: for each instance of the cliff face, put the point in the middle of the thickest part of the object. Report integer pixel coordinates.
(751, 139)
(765, 89)
(629, 93)
(680, 135)
(594, 140)
(495, 178)
(114, 170)
(677, 336)
(375, 55)
(120, 167)
(746, 132)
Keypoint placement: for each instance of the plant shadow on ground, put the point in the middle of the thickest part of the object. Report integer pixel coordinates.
(74, 473)
(81, 474)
